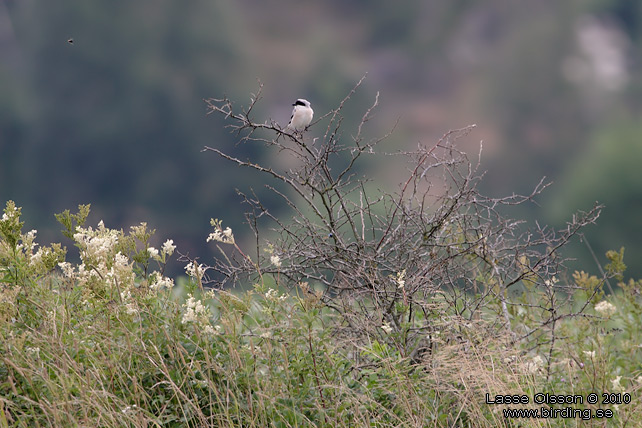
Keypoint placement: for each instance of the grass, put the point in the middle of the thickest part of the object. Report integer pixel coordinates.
(111, 342)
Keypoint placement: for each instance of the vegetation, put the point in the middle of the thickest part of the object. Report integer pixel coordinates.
(417, 307)
(117, 118)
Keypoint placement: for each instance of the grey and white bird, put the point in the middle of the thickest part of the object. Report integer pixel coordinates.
(301, 115)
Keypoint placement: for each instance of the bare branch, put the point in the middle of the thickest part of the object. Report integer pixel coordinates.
(431, 256)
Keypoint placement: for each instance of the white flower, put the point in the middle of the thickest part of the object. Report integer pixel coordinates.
(189, 316)
(121, 271)
(400, 279)
(35, 350)
(228, 233)
(195, 270)
(162, 282)
(535, 364)
(191, 305)
(67, 269)
(169, 247)
(510, 359)
(605, 308)
(616, 386)
(131, 308)
(30, 237)
(124, 295)
(212, 330)
(590, 354)
(275, 260)
(195, 312)
(96, 245)
(153, 252)
(129, 408)
(36, 258)
(386, 327)
(224, 236)
(272, 294)
(221, 235)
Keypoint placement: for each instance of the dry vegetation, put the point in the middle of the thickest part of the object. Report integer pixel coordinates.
(365, 307)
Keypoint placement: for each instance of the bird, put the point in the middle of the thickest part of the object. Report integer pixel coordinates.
(301, 115)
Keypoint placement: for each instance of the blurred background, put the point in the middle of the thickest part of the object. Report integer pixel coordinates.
(102, 102)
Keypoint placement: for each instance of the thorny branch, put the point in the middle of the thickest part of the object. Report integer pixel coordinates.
(434, 255)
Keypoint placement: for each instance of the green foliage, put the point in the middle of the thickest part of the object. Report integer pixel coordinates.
(20, 262)
(591, 285)
(72, 221)
(143, 353)
(130, 92)
(616, 266)
(11, 226)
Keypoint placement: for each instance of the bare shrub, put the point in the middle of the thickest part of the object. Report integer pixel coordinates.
(415, 266)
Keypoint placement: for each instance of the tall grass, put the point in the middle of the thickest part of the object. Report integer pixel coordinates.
(81, 353)
(423, 307)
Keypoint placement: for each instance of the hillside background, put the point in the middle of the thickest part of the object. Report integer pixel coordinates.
(102, 102)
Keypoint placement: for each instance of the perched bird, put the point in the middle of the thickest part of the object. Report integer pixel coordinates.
(301, 115)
